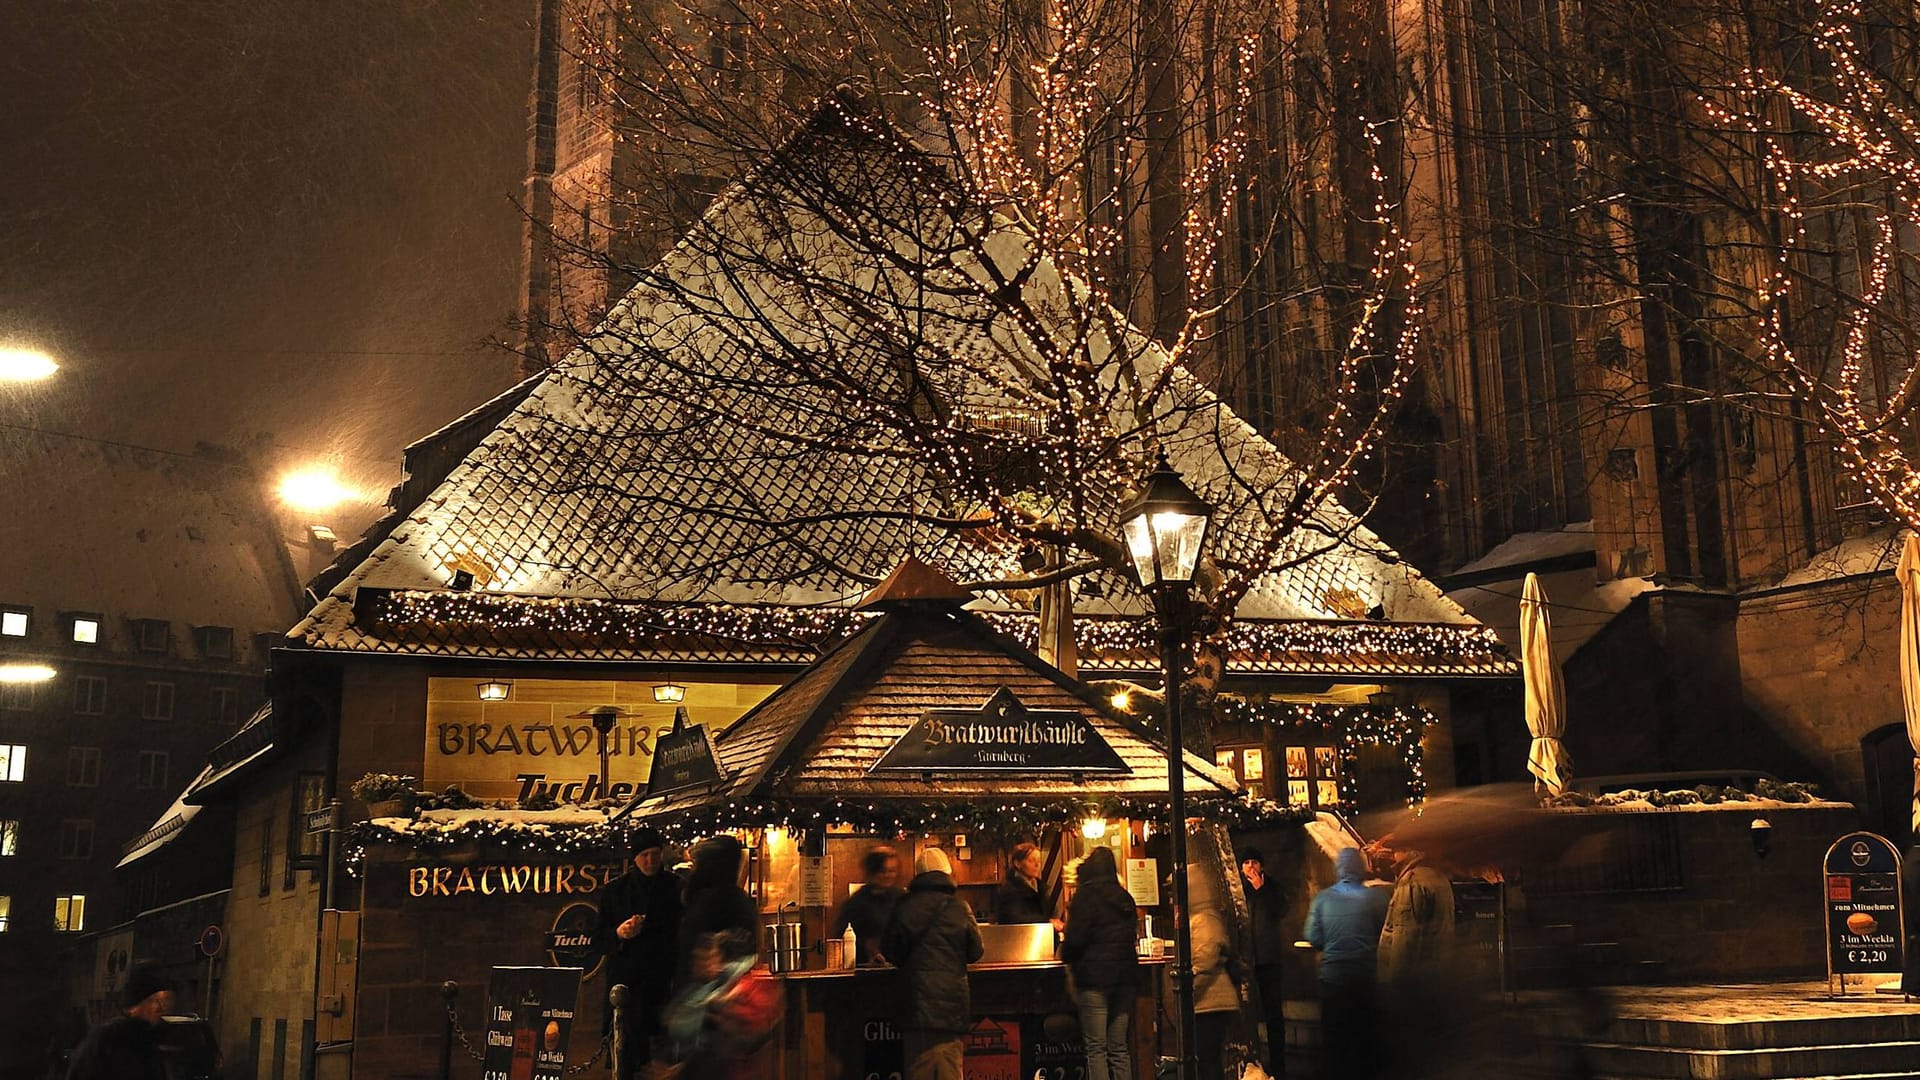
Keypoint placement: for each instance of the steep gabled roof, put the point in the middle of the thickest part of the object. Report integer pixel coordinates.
(598, 488)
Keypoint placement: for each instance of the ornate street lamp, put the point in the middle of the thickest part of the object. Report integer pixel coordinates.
(1166, 529)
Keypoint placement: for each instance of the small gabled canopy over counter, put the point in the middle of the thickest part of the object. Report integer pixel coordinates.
(928, 705)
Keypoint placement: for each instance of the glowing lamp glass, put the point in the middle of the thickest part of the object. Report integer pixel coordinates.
(495, 690)
(669, 693)
(1165, 529)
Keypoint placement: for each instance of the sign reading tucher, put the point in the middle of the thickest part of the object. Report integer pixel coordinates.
(1002, 735)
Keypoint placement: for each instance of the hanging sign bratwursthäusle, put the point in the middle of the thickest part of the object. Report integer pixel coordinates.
(682, 758)
(1002, 735)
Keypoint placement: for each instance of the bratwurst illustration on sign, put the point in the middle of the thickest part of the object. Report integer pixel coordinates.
(1002, 735)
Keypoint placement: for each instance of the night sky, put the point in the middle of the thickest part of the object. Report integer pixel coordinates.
(273, 225)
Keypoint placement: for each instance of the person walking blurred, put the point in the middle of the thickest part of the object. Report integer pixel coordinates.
(127, 1047)
(871, 905)
(638, 931)
(1101, 953)
(932, 938)
(716, 905)
(1343, 925)
(1216, 993)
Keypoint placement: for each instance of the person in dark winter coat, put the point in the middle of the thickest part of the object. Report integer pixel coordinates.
(716, 905)
(639, 928)
(1018, 899)
(1266, 914)
(871, 905)
(932, 938)
(127, 1047)
(1344, 924)
(1101, 953)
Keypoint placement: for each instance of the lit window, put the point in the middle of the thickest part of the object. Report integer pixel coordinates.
(9, 838)
(13, 623)
(156, 703)
(69, 913)
(89, 695)
(83, 766)
(6, 913)
(76, 839)
(86, 630)
(153, 768)
(13, 763)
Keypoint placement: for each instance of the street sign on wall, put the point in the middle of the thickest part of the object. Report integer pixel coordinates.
(1864, 935)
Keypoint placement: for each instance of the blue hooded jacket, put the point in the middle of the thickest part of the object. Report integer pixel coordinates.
(1344, 922)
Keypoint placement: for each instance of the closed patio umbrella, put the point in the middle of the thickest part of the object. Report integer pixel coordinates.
(1909, 575)
(1548, 760)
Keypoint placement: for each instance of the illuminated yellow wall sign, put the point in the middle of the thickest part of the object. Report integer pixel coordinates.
(492, 880)
(534, 742)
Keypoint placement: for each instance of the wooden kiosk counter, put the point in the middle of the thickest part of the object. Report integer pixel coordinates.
(839, 1023)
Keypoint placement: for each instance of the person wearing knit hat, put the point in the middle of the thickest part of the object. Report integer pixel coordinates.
(127, 1047)
(639, 931)
(932, 861)
(931, 938)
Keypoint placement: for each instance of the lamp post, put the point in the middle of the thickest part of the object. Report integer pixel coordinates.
(1165, 527)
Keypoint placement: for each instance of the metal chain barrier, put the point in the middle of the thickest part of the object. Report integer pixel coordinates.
(460, 1036)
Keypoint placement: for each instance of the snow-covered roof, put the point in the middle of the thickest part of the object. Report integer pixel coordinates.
(736, 488)
(171, 823)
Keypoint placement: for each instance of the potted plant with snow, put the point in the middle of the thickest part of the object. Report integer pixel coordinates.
(386, 794)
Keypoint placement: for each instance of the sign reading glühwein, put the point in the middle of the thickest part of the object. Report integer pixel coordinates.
(682, 758)
(1002, 735)
(1863, 906)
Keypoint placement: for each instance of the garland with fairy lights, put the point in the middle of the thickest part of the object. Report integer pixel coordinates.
(878, 817)
(1112, 639)
(1350, 727)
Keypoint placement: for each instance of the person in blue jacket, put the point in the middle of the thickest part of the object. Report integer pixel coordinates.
(1343, 926)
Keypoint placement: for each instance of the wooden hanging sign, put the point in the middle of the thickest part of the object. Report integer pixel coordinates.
(1002, 735)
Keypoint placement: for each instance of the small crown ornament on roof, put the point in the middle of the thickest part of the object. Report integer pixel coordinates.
(914, 582)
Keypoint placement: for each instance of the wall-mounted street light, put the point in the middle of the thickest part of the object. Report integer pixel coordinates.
(670, 693)
(1166, 529)
(25, 673)
(22, 365)
(495, 690)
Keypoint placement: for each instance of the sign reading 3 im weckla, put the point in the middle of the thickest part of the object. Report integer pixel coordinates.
(1002, 735)
(1863, 907)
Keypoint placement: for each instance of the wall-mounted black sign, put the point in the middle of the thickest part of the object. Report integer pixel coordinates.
(570, 943)
(1002, 735)
(1863, 906)
(683, 758)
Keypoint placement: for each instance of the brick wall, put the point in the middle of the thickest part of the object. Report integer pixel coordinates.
(1735, 915)
(411, 944)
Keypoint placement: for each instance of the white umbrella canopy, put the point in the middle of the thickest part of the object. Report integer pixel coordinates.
(1908, 574)
(1548, 761)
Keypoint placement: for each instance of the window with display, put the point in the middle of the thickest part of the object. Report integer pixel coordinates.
(1312, 775)
(1248, 764)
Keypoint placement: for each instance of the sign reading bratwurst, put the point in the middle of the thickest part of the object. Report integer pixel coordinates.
(1003, 735)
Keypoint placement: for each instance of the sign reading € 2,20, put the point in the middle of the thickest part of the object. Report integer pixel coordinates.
(1864, 935)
